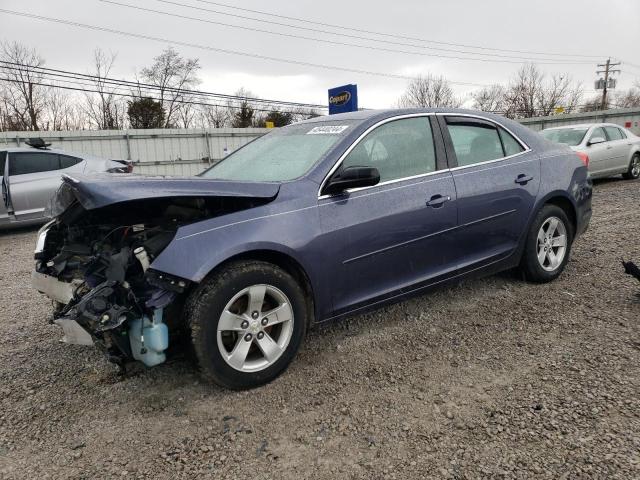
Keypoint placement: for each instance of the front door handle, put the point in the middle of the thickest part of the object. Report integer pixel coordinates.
(437, 201)
(523, 179)
(609, 147)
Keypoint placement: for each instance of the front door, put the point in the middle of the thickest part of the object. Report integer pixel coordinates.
(4, 202)
(394, 236)
(496, 179)
(600, 154)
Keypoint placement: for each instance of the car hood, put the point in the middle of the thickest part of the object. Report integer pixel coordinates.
(101, 190)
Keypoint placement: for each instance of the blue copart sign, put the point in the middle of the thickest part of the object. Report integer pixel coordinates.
(343, 99)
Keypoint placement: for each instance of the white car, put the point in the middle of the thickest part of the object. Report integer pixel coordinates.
(31, 175)
(607, 148)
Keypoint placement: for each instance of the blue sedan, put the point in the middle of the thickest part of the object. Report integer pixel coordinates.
(312, 222)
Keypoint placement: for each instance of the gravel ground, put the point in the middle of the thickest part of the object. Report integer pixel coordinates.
(494, 378)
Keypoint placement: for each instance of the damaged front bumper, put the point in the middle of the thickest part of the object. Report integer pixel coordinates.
(125, 331)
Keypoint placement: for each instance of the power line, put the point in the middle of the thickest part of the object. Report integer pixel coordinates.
(334, 42)
(134, 96)
(542, 61)
(137, 84)
(93, 89)
(221, 50)
(389, 35)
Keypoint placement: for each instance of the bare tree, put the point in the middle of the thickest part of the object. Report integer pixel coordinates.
(490, 99)
(530, 95)
(24, 96)
(429, 91)
(595, 103)
(215, 116)
(105, 110)
(173, 74)
(628, 99)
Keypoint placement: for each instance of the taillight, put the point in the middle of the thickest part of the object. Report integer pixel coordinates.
(584, 157)
(130, 166)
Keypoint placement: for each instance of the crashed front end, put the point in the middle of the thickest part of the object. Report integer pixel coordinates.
(94, 261)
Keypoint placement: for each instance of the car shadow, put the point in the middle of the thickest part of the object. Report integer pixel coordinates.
(607, 180)
(4, 232)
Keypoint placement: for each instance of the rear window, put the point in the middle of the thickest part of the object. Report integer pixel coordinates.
(511, 145)
(67, 161)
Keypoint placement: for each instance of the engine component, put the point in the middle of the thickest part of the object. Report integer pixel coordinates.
(143, 257)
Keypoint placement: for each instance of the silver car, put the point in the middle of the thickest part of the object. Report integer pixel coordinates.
(608, 149)
(31, 176)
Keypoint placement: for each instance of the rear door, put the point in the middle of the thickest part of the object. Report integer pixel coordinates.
(34, 178)
(388, 238)
(497, 179)
(618, 148)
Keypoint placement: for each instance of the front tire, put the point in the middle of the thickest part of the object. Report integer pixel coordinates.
(547, 246)
(247, 323)
(634, 168)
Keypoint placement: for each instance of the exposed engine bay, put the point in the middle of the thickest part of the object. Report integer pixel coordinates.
(95, 265)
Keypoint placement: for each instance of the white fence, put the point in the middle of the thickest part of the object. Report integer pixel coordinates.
(625, 117)
(161, 151)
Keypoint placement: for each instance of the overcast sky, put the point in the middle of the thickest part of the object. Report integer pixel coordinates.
(567, 27)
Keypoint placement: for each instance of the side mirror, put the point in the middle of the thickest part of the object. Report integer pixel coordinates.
(352, 177)
(596, 140)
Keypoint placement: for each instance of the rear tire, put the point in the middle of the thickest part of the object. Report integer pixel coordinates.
(247, 323)
(547, 246)
(634, 168)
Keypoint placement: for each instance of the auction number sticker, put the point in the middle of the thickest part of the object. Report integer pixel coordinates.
(328, 130)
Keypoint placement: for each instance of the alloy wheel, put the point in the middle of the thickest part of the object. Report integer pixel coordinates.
(552, 243)
(635, 166)
(255, 328)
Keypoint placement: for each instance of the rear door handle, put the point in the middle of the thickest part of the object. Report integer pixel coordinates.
(609, 147)
(523, 179)
(437, 201)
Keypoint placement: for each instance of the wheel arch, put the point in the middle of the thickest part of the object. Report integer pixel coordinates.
(280, 259)
(563, 202)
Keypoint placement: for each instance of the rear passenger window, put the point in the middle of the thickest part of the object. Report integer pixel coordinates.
(32, 162)
(613, 133)
(474, 142)
(398, 149)
(66, 161)
(511, 145)
(623, 133)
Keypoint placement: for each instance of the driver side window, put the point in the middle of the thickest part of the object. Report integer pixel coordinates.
(598, 133)
(398, 149)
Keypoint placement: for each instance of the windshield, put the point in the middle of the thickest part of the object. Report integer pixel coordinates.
(568, 136)
(281, 155)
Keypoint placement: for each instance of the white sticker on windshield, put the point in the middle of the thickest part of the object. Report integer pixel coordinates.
(328, 130)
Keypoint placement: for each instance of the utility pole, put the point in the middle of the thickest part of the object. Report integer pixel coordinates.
(607, 70)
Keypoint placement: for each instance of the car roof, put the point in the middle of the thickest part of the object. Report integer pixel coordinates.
(584, 125)
(32, 149)
(381, 114)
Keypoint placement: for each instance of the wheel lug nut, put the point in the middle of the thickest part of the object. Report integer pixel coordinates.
(260, 335)
(264, 322)
(244, 325)
(248, 337)
(255, 315)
